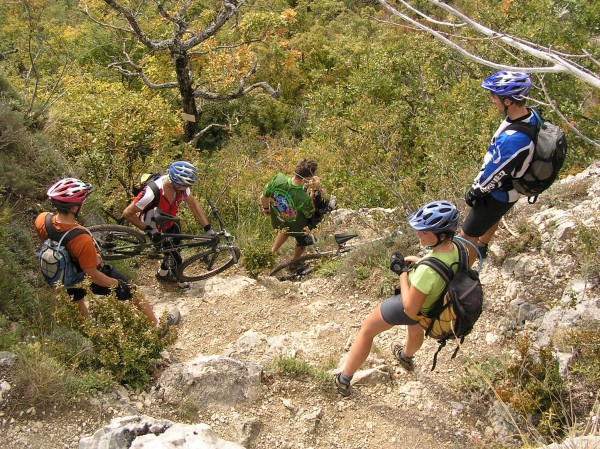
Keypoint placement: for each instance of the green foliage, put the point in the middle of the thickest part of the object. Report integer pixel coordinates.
(585, 343)
(9, 334)
(526, 239)
(19, 143)
(300, 369)
(534, 388)
(585, 245)
(20, 300)
(44, 381)
(124, 341)
(257, 257)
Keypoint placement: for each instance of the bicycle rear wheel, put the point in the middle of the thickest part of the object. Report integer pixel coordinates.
(208, 263)
(278, 270)
(117, 242)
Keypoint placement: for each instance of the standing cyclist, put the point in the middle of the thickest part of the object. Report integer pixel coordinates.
(172, 190)
(492, 194)
(435, 225)
(67, 196)
(290, 203)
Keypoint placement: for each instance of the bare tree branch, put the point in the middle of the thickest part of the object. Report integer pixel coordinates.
(135, 28)
(559, 64)
(86, 12)
(138, 73)
(5, 53)
(552, 104)
(200, 133)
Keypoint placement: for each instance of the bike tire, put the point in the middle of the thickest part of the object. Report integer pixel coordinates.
(117, 242)
(300, 259)
(208, 263)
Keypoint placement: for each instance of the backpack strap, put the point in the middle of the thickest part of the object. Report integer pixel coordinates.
(444, 270)
(526, 128)
(154, 187)
(61, 236)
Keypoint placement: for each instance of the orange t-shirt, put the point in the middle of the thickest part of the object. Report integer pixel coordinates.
(81, 248)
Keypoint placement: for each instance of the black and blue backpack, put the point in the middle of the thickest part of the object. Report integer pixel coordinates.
(56, 264)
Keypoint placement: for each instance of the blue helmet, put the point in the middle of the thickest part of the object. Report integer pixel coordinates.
(437, 217)
(515, 85)
(183, 173)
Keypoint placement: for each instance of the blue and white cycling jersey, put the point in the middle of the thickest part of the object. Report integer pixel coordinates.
(508, 156)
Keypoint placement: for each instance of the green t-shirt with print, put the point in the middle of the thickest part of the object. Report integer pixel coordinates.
(428, 281)
(290, 205)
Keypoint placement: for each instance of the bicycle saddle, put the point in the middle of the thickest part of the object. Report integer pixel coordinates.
(161, 217)
(340, 239)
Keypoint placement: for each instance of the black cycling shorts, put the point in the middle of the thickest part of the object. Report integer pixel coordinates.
(486, 213)
(304, 240)
(78, 293)
(392, 312)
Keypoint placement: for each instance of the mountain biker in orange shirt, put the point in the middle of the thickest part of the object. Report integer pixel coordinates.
(67, 196)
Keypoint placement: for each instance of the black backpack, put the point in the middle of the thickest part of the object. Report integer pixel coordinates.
(550, 151)
(322, 208)
(147, 180)
(460, 304)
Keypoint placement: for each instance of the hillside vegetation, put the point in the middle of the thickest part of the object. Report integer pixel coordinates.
(393, 117)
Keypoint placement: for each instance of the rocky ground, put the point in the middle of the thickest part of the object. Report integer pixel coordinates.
(318, 318)
(314, 320)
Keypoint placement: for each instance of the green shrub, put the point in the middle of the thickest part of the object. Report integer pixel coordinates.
(300, 369)
(123, 339)
(20, 301)
(527, 238)
(534, 388)
(585, 245)
(43, 381)
(257, 257)
(9, 333)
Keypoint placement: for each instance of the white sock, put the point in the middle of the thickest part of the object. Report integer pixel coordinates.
(162, 272)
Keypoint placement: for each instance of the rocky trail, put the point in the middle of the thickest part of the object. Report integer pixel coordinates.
(258, 321)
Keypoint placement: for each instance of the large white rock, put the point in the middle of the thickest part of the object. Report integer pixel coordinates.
(144, 432)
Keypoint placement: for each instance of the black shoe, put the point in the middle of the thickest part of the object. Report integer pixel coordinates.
(483, 250)
(342, 388)
(298, 267)
(406, 362)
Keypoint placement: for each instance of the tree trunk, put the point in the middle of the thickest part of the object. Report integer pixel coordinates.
(188, 101)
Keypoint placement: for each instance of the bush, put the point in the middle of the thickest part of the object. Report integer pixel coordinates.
(257, 257)
(43, 381)
(534, 388)
(300, 369)
(125, 343)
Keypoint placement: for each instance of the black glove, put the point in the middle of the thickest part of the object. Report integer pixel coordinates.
(471, 198)
(397, 263)
(210, 232)
(153, 234)
(123, 291)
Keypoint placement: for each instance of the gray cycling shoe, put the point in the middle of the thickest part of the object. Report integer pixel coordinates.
(406, 362)
(173, 319)
(342, 388)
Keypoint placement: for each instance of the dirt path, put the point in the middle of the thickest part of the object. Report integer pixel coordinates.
(315, 321)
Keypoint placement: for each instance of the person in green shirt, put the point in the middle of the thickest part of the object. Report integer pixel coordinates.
(435, 225)
(290, 203)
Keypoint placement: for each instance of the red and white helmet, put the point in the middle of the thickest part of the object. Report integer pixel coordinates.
(69, 190)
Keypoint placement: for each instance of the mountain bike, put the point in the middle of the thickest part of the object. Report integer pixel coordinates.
(116, 242)
(297, 268)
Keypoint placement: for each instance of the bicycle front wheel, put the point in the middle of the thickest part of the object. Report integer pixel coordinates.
(208, 263)
(279, 268)
(117, 242)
